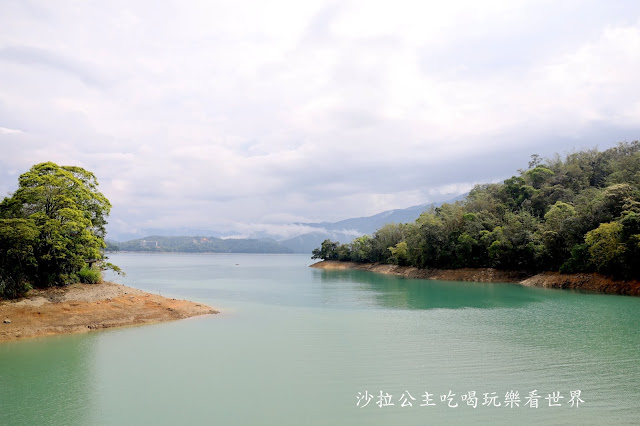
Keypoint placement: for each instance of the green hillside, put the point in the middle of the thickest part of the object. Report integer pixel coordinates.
(573, 214)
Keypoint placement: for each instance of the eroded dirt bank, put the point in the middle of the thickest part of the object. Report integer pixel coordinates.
(585, 281)
(85, 307)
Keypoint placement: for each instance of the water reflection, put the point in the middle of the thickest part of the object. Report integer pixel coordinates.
(395, 292)
(47, 381)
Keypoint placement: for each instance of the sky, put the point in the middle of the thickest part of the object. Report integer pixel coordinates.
(251, 116)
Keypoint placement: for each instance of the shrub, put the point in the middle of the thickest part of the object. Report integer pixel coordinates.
(89, 275)
(12, 289)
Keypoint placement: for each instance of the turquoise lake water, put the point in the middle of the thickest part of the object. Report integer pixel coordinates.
(295, 345)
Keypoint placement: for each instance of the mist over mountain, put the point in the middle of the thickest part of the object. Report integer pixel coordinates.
(167, 232)
(345, 231)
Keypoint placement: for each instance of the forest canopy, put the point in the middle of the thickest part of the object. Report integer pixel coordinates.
(50, 227)
(579, 213)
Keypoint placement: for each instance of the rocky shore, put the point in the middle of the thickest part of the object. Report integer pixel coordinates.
(584, 281)
(84, 307)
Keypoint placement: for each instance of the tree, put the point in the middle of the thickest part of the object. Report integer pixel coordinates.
(361, 249)
(399, 253)
(517, 191)
(17, 237)
(538, 176)
(559, 233)
(535, 160)
(604, 244)
(328, 250)
(387, 236)
(62, 218)
(426, 241)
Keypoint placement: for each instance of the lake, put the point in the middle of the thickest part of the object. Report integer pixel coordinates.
(296, 345)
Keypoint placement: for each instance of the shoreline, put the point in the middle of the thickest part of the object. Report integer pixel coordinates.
(590, 281)
(81, 308)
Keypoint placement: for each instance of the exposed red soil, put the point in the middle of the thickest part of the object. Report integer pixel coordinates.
(85, 307)
(584, 281)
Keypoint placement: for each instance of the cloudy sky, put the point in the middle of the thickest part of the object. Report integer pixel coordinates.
(250, 115)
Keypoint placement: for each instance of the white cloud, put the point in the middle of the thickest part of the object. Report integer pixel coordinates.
(7, 131)
(216, 114)
(598, 78)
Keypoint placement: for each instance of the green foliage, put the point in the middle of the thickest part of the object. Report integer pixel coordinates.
(399, 253)
(17, 237)
(580, 213)
(50, 227)
(465, 247)
(559, 214)
(578, 260)
(538, 176)
(361, 249)
(387, 236)
(517, 191)
(88, 275)
(605, 245)
(327, 251)
(107, 266)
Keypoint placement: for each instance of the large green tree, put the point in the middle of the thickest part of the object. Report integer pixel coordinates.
(50, 227)
(328, 250)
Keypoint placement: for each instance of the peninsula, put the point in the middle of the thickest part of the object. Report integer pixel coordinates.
(78, 308)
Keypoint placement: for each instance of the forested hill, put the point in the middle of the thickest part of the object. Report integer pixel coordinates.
(200, 244)
(574, 214)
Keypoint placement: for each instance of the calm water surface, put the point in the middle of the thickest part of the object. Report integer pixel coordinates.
(295, 345)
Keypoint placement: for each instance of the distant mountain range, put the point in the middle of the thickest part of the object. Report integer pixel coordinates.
(346, 230)
(198, 244)
(343, 231)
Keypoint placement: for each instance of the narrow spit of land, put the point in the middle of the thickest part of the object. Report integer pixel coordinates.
(85, 307)
(583, 281)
